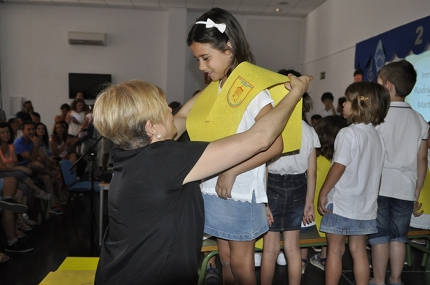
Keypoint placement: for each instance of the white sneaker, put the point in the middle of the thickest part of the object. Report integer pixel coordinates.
(257, 258)
(281, 259)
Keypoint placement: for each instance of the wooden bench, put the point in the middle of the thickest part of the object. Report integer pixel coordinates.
(312, 239)
(418, 234)
(209, 247)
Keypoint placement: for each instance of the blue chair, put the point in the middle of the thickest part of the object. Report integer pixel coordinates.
(74, 186)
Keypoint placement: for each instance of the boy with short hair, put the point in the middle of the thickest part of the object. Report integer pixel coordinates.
(405, 134)
(329, 110)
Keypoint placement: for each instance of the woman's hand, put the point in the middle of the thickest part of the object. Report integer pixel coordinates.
(301, 82)
(225, 184)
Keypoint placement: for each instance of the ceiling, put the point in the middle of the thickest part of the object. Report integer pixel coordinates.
(292, 8)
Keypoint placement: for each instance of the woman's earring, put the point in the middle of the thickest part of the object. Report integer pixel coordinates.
(158, 136)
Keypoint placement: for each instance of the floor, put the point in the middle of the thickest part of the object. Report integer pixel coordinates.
(69, 235)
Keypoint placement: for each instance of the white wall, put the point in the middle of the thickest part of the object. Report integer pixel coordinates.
(35, 57)
(336, 26)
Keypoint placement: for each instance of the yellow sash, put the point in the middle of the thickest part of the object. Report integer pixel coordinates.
(216, 116)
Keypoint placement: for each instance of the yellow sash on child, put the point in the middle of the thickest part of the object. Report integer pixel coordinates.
(216, 116)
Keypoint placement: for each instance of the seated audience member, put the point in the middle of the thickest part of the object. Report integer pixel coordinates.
(43, 139)
(16, 127)
(329, 110)
(61, 144)
(135, 244)
(9, 208)
(27, 148)
(9, 164)
(65, 108)
(358, 75)
(35, 117)
(339, 108)
(27, 109)
(315, 119)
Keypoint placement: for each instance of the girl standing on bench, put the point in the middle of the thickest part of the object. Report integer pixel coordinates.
(348, 197)
(235, 100)
(327, 129)
(290, 191)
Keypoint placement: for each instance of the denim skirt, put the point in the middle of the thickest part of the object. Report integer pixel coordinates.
(335, 224)
(287, 197)
(234, 220)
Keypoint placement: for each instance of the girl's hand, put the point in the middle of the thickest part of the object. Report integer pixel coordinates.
(308, 213)
(225, 184)
(269, 215)
(26, 170)
(322, 201)
(9, 165)
(417, 207)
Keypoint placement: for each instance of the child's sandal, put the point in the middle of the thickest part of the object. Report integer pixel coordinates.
(305, 261)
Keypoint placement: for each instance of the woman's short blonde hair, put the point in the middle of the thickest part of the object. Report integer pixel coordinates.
(369, 102)
(122, 110)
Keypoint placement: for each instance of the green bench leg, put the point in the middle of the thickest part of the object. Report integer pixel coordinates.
(204, 266)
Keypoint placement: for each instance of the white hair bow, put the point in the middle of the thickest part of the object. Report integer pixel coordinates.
(210, 24)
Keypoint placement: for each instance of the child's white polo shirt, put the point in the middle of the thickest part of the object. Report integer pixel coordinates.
(402, 132)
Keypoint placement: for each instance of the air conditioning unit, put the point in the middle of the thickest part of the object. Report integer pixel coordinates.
(86, 38)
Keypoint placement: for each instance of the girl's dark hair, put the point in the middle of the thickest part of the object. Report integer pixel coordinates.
(7, 125)
(327, 129)
(45, 138)
(57, 139)
(75, 103)
(233, 33)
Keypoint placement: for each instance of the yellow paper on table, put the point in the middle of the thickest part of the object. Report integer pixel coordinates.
(69, 277)
(215, 116)
(79, 263)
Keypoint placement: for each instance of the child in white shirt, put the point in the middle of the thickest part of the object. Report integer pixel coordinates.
(348, 197)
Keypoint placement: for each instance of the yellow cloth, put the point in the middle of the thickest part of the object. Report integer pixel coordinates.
(323, 166)
(425, 194)
(216, 116)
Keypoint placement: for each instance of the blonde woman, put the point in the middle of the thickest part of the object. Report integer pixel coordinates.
(156, 212)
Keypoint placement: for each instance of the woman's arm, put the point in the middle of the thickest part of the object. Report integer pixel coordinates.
(226, 179)
(181, 117)
(240, 147)
(56, 151)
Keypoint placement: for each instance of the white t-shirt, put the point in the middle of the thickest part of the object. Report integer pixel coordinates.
(402, 132)
(297, 162)
(360, 148)
(325, 113)
(253, 180)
